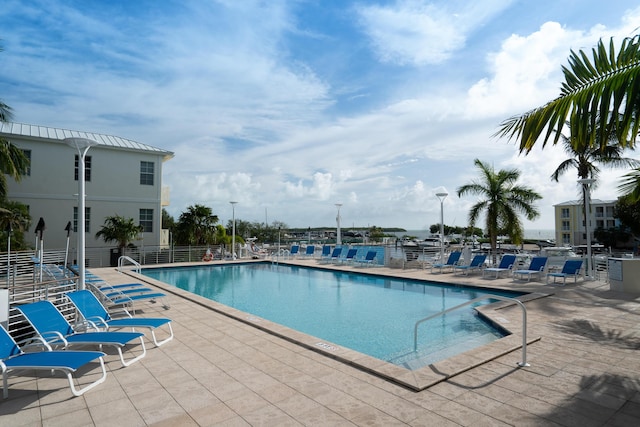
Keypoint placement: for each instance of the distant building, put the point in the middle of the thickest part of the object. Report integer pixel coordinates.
(570, 224)
(123, 177)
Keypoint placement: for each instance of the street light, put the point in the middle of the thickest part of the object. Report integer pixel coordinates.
(586, 195)
(82, 145)
(233, 233)
(339, 233)
(442, 194)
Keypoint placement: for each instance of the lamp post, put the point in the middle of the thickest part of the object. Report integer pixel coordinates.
(9, 230)
(586, 194)
(442, 194)
(39, 237)
(339, 233)
(82, 145)
(66, 251)
(233, 233)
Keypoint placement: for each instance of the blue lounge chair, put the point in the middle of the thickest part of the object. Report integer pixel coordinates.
(351, 254)
(368, 258)
(12, 358)
(335, 255)
(310, 251)
(536, 267)
(571, 268)
(126, 294)
(51, 325)
(295, 250)
(476, 264)
(93, 311)
(506, 264)
(326, 252)
(452, 261)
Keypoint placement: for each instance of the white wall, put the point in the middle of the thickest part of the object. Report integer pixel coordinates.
(51, 191)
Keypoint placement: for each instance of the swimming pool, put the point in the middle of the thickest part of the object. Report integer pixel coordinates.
(371, 314)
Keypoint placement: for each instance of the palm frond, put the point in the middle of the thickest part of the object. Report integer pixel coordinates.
(601, 92)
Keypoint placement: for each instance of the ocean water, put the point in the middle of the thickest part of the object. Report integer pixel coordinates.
(538, 234)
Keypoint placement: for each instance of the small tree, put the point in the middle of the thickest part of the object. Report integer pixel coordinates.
(16, 215)
(119, 229)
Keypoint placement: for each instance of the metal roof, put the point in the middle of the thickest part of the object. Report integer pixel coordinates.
(9, 129)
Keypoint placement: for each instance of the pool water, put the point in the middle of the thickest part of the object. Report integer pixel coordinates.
(371, 314)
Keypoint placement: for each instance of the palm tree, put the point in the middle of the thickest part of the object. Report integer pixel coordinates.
(13, 162)
(630, 185)
(602, 93)
(502, 199)
(119, 229)
(196, 226)
(583, 156)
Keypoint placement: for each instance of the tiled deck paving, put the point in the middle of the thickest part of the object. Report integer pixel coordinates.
(585, 371)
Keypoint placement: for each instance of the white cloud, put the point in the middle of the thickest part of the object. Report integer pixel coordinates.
(421, 32)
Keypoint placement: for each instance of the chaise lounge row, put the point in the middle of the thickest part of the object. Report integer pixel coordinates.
(570, 269)
(54, 335)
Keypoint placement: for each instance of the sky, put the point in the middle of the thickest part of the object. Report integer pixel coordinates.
(291, 107)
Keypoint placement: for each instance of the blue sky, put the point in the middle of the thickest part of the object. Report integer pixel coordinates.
(290, 107)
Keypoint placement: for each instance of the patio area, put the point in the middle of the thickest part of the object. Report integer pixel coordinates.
(584, 371)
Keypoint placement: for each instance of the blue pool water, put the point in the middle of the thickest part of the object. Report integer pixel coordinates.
(371, 314)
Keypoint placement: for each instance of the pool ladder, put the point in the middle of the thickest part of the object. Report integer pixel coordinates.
(480, 298)
(121, 262)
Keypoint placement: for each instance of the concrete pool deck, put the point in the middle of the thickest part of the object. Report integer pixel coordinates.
(584, 371)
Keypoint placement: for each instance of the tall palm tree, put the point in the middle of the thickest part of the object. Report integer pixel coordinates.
(585, 157)
(501, 199)
(196, 226)
(602, 93)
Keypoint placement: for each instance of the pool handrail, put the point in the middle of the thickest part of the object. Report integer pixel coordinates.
(123, 258)
(480, 298)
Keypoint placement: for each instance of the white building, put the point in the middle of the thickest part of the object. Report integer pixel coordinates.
(123, 177)
(570, 224)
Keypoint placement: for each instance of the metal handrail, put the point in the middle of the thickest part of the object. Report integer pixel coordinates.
(122, 259)
(480, 298)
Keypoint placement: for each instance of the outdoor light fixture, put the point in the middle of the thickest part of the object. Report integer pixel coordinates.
(442, 194)
(82, 145)
(233, 234)
(339, 233)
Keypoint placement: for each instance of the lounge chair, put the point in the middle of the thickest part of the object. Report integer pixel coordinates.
(93, 311)
(126, 294)
(452, 261)
(536, 267)
(294, 251)
(310, 251)
(571, 268)
(350, 257)
(335, 255)
(369, 258)
(506, 264)
(12, 358)
(476, 264)
(51, 325)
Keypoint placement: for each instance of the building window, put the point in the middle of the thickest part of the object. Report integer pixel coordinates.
(27, 154)
(566, 226)
(566, 239)
(87, 219)
(611, 223)
(87, 168)
(610, 211)
(565, 212)
(146, 173)
(599, 223)
(599, 212)
(146, 220)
